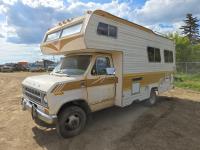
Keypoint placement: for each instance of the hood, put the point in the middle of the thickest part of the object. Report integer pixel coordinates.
(46, 82)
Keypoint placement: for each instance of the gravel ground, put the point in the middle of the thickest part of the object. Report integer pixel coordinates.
(173, 123)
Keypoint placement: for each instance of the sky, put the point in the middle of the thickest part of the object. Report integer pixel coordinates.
(23, 23)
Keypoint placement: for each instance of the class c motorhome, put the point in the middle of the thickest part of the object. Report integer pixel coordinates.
(108, 61)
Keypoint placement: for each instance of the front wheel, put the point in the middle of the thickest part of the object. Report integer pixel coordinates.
(71, 121)
(152, 99)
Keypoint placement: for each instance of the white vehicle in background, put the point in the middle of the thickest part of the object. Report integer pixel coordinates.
(107, 61)
(51, 67)
(35, 68)
(6, 68)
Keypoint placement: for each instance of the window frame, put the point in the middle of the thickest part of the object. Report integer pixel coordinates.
(94, 65)
(170, 58)
(61, 31)
(79, 23)
(99, 30)
(154, 55)
(108, 31)
(157, 61)
(46, 36)
(115, 31)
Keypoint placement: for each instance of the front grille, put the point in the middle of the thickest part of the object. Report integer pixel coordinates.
(33, 94)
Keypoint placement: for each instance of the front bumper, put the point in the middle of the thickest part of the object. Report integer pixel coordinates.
(37, 113)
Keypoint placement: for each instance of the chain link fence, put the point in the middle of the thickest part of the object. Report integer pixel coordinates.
(188, 67)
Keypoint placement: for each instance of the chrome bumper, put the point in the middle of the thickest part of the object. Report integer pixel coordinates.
(36, 113)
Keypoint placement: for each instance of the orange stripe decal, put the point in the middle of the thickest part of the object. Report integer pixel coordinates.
(59, 89)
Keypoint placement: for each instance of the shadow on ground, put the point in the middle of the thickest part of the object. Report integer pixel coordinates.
(164, 126)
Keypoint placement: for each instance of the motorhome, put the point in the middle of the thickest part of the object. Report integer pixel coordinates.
(107, 61)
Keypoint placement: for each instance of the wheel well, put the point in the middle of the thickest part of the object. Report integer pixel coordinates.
(81, 103)
(154, 88)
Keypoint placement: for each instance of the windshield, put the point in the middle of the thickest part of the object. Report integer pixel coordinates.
(73, 65)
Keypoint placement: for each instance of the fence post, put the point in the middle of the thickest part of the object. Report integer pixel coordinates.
(186, 68)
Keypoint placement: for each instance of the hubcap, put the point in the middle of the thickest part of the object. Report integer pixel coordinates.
(72, 122)
(153, 99)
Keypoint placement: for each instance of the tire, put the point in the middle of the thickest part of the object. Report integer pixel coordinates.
(71, 121)
(151, 101)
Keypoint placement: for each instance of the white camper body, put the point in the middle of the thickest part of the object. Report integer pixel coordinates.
(143, 62)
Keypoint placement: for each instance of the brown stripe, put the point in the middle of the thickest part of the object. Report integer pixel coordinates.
(147, 78)
(72, 85)
(101, 81)
(86, 83)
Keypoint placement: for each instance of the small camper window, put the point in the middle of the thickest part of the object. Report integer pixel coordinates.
(112, 31)
(168, 56)
(71, 30)
(157, 55)
(107, 30)
(53, 36)
(153, 54)
(102, 29)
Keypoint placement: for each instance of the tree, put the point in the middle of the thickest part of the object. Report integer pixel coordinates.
(191, 28)
(185, 51)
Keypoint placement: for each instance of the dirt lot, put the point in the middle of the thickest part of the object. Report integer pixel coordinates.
(174, 123)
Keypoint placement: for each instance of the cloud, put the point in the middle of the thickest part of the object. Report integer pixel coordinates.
(31, 23)
(2, 9)
(32, 18)
(166, 11)
(24, 22)
(45, 3)
(10, 52)
(2, 36)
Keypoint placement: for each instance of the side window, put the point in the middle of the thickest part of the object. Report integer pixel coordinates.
(153, 54)
(157, 55)
(168, 56)
(171, 57)
(150, 51)
(100, 65)
(107, 30)
(102, 29)
(166, 53)
(112, 31)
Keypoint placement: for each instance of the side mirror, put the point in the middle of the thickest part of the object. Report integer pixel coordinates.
(93, 71)
(110, 71)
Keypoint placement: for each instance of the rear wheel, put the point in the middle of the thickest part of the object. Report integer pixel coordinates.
(71, 121)
(152, 99)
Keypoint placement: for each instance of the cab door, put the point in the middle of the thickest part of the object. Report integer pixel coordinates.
(100, 85)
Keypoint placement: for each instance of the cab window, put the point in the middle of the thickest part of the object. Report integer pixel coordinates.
(100, 65)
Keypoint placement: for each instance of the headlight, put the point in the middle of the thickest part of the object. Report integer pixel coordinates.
(45, 100)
